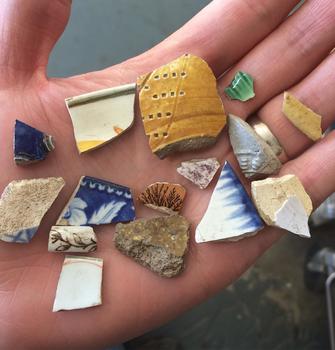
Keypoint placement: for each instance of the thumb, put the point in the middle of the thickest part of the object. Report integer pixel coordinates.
(28, 31)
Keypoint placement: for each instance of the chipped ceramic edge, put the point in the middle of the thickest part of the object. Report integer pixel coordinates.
(241, 87)
(293, 217)
(22, 236)
(101, 94)
(72, 239)
(68, 297)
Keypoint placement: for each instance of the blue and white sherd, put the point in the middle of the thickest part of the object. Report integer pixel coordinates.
(22, 236)
(96, 202)
(230, 215)
(30, 144)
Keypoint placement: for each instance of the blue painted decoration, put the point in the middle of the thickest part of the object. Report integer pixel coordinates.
(96, 202)
(30, 144)
(230, 215)
(22, 236)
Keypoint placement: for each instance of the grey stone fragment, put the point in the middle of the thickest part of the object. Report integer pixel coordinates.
(255, 156)
(159, 243)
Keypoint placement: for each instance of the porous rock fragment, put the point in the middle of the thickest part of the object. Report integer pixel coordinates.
(159, 243)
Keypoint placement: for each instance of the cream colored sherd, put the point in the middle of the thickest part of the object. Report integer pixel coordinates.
(100, 116)
(23, 205)
(270, 194)
(302, 117)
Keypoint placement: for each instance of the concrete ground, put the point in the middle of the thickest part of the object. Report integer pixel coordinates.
(269, 307)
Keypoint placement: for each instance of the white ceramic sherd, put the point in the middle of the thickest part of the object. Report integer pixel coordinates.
(292, 217)
(79, 284)
(100, 116)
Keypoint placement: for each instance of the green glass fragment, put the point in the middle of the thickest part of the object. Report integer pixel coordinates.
(241, 88)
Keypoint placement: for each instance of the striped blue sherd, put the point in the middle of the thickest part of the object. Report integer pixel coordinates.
(230, 215)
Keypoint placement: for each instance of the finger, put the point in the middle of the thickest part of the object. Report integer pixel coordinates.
(29, 29)
(287, 55)
(317, 92)
(316, 169)
(221, 33)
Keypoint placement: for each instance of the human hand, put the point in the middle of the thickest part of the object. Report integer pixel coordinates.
(239, 33)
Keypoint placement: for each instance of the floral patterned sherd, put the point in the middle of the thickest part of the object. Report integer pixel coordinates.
(96, 202)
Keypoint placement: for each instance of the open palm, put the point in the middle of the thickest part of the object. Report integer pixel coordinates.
(246, 34)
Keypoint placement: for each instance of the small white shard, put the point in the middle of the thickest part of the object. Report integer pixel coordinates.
(199, 171)
(72, 239)
(23, 205)
(79, 285)
(100, 116)
(292, 217)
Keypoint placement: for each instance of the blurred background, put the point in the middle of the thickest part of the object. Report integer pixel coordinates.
(270, 306)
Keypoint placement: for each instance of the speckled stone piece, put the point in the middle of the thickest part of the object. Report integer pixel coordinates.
(165, 197)
(23, 205)
(199, 171)
(254, 155)
(180, 106)
(159, 243)
(307, 121)
(269, 196)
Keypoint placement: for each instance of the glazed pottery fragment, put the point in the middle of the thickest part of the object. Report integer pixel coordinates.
(165, 197)
(199, 171)
(292, 217)
(263, 131)
(100, 116)
(159, 243)
(307, 121)
(269, 196)
(97, 202)
(23, 204)
(180, 106)
(30, 144)
(241, 88)
(231, 214)
(79, 284)
(72, 239)
(254, 155)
